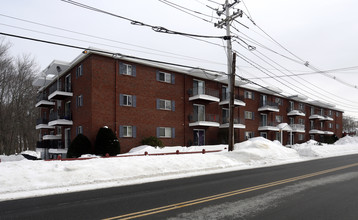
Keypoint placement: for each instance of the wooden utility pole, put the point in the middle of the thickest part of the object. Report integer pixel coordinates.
(230, 64)
(231, 139)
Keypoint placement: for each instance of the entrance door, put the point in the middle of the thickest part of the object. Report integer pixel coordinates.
(199, 137)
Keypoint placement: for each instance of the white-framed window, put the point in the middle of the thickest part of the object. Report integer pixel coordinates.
(337, 114)
(249, 115)
(165, 132)
(164, 104)
(312, 110)
(79, 71)
(248, 95)
(79, 101)
(127, 131)
(301, 137)
(224, 93)
(198, 87)
(199, 112)
(249, 134)
(225, 116)
(330, 125)
(165, 77)
(127, 69)
(329, 112)
(127, 100)
(79, 130)
(312, 124)
(321, 124)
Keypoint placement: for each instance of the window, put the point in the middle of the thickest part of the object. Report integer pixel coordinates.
(79, 71)
(127, 69)
(166, 104)
(292, 120)
(312, 110)
(329, 112)
(224, 93)
(249, 134)
(330, 125)
(165, 77)
(337, 114)
(278, 100)
(301, 107)
(301, 137)
(301, 121)
(68, 87)
(127, 100)
(263, 134)
(127, 131)
(248, 95)
(198, 87)
(225, 116)
(199, 112)
(321, 124)
(312, 124)
(263, 120)
(79, 101)
(337, 126)
(165, 132)
(249, 115)
(79, 130)
(278, 118)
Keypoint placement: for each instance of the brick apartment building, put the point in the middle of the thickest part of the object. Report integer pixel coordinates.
(182, 107)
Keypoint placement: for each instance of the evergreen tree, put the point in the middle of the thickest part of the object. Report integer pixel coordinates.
(80, 145)
(106, 142)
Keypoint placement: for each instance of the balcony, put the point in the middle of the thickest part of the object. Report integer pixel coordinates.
(42, 123)
(326, 118)
(207, 120)
(268, 126)
(237, 101)
(59, 93)
(316, 116)
(295, 112)
(42, 101)
(328, 132)
(238, 123)
(58, 119)
(268, 106)
(205, 94)
(298, 128)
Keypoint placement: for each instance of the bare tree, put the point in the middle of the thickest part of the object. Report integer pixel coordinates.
(17, 102)
(350, 124)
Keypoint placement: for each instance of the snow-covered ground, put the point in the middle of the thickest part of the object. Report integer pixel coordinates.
(21, 178)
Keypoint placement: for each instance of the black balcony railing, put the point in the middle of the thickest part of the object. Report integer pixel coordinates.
(268, 123)
(41, 121)
(55, 87)
(268, 104)
(225, 120)
(237, 97)
(204, 91)
(55, 144)
(42, 96)
(59, 115)
(289, 109)
(207, 117)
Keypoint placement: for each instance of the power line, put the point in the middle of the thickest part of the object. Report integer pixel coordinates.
(106, 39)
(158, 29)
(110, 53)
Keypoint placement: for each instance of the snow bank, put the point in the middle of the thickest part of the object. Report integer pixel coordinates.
(347, 140)
(51, 177)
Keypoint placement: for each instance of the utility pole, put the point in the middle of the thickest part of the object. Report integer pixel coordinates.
(230, 64)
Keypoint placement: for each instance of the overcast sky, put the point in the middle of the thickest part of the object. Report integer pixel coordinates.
(322, 32)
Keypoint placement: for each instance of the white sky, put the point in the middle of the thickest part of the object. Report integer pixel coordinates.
(323, 32)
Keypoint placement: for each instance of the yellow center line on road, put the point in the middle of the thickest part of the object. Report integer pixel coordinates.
(224, 195)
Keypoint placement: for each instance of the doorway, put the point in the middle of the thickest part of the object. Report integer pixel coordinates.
(199, 137)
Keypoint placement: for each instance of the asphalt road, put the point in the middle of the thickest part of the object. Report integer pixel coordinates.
(319, 189)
